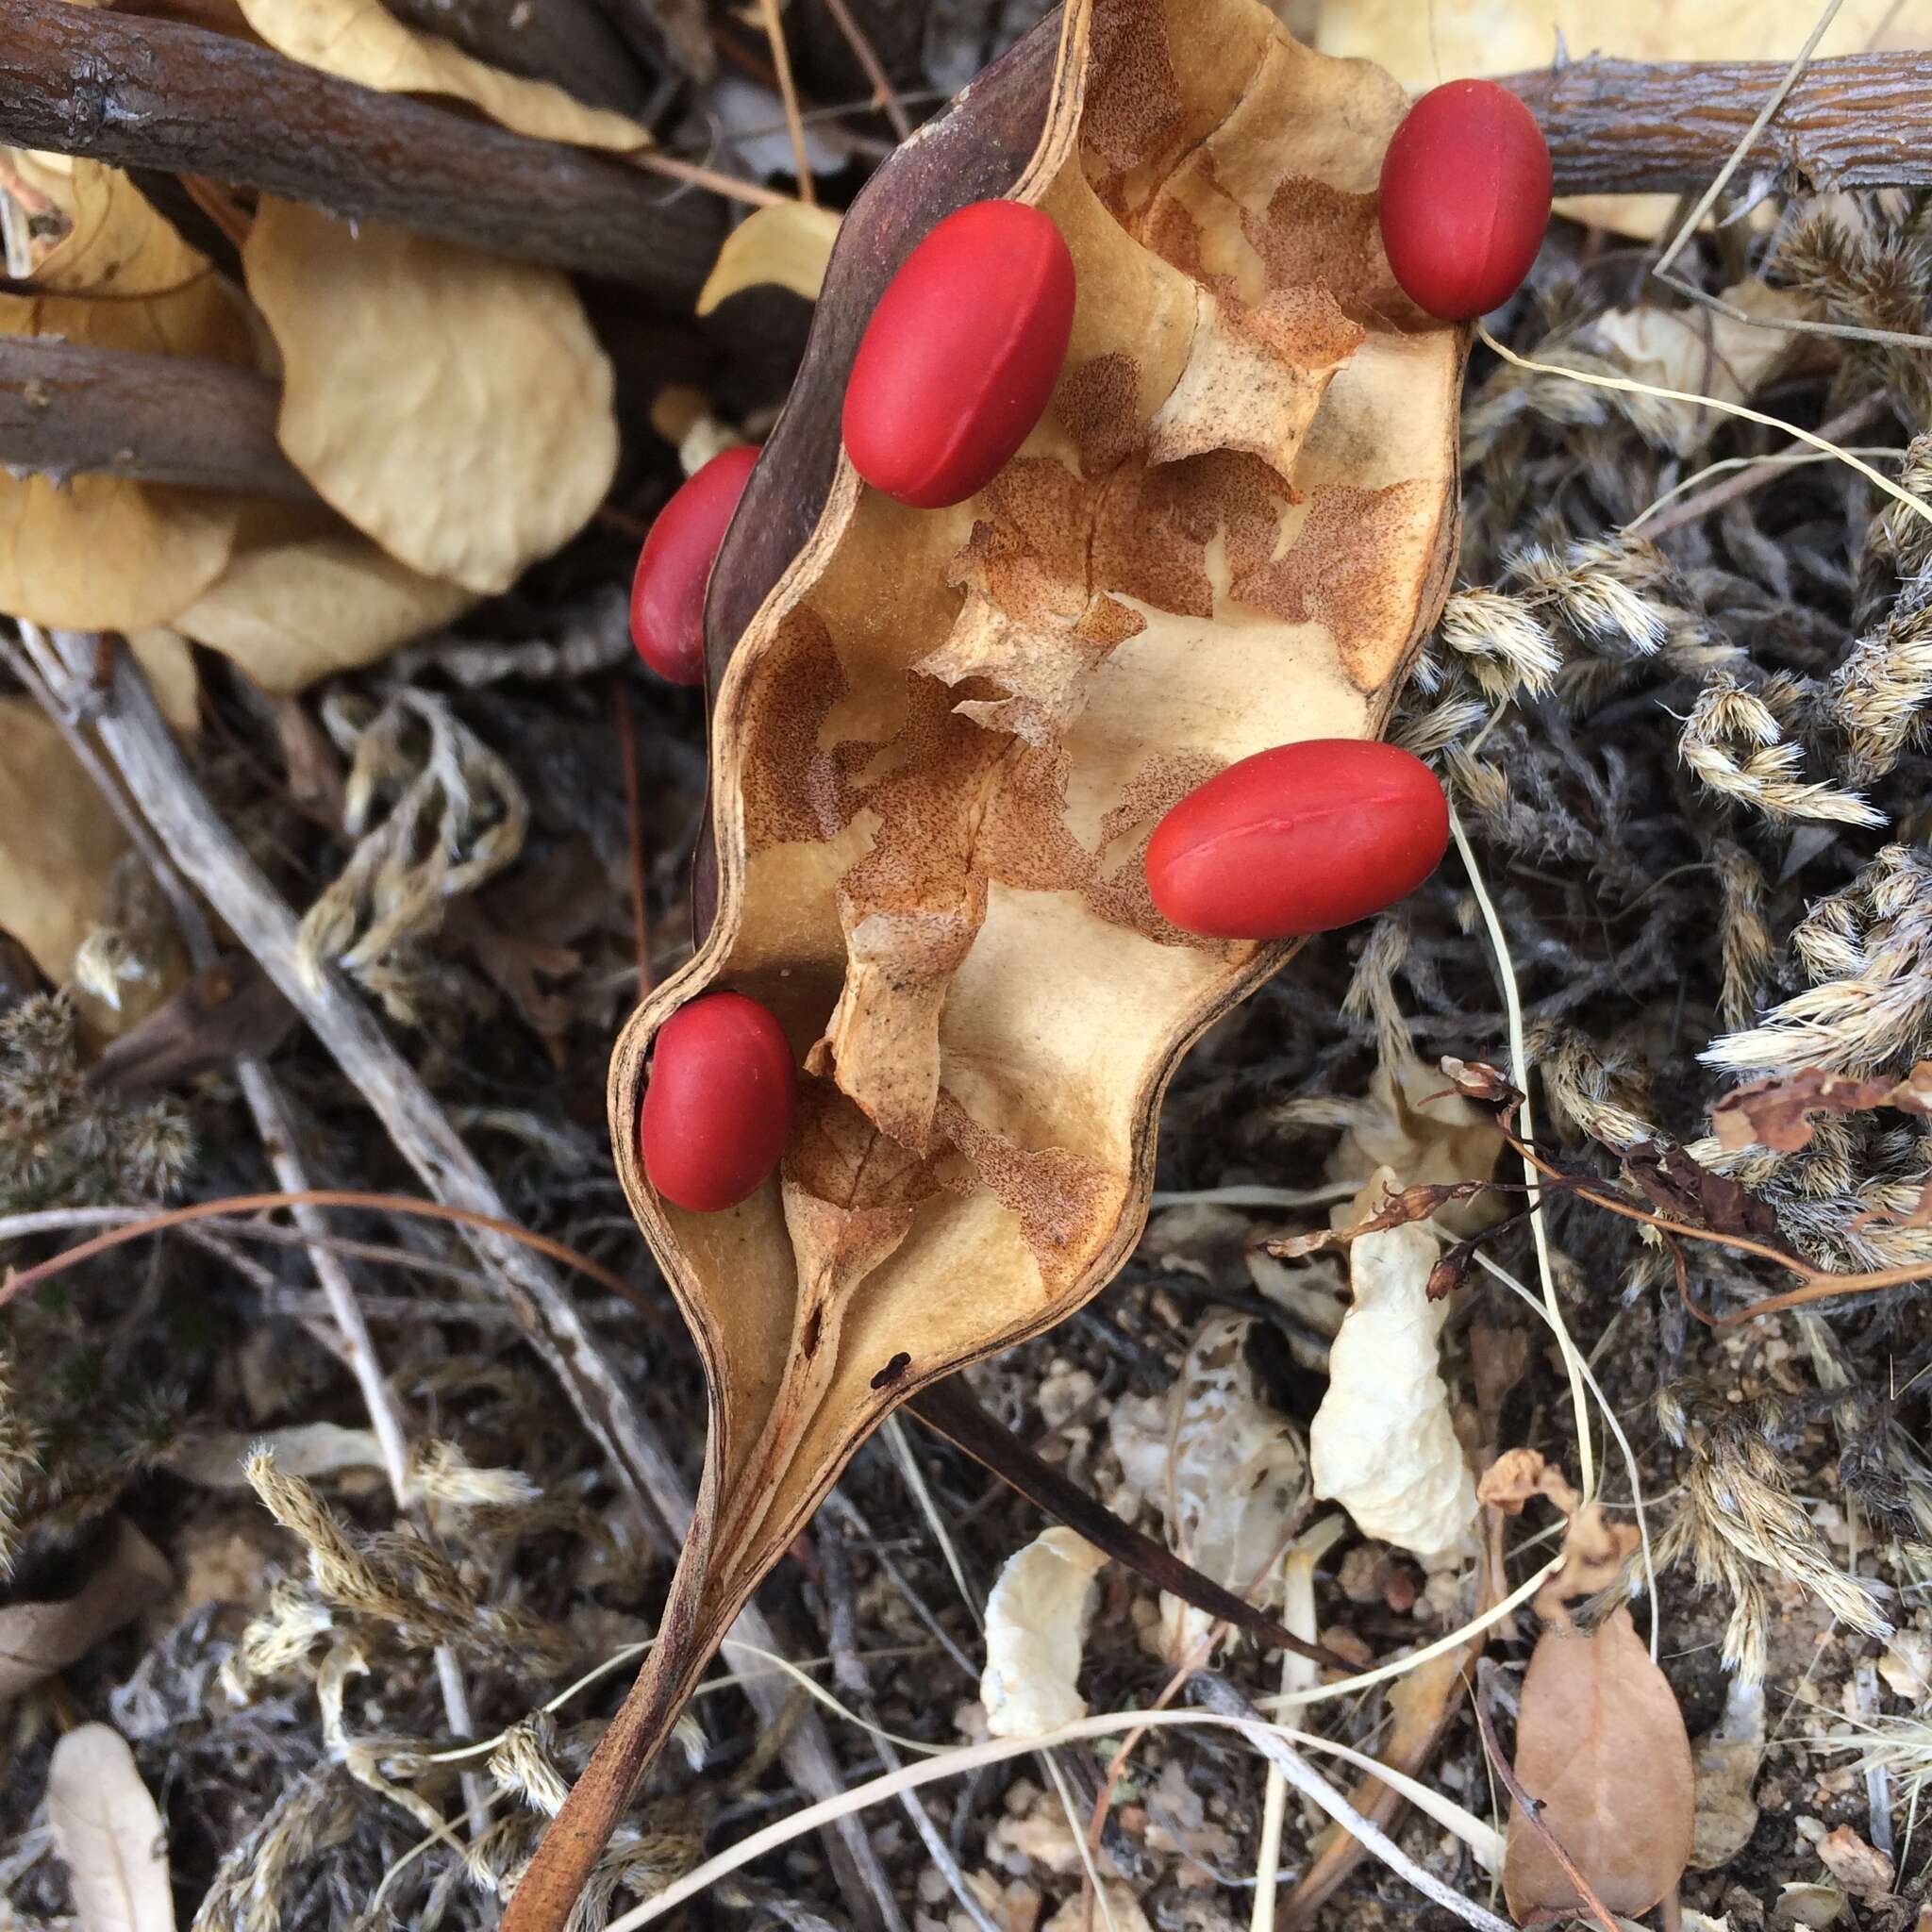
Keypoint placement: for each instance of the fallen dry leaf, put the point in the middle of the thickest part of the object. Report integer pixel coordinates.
(1777, 1112)
(1383, 1444)
(1704, 353)
(1864, 1871)
(99, 551)
(1417, 1126)
(306, 1449)
(1594, 1548)
(938, 890)
(1810, 1905)
(109, 1834)
(58, 841)
(1235, 1486)
(361, 40)
(1035, 1625)
(304, 596)
(1726, 1758)
(1600, 1744)
(38, 1638)
(451, 405)
(788, 245)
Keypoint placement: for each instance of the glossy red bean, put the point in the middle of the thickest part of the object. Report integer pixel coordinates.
(961, 356)
(1465, 198)
(667, 595)
(718, 1105)
(1298, 839)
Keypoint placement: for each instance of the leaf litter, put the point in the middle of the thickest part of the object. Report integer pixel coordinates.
(1663, 754)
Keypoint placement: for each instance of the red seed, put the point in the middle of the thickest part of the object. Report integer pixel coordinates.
(719, 1104)
(1297, 840)
(960, 356)
(1465, 198)
(667, 595)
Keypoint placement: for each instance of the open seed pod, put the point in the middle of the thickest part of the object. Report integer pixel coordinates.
(940, 739)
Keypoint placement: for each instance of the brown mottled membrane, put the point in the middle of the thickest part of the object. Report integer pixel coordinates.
(941, 739)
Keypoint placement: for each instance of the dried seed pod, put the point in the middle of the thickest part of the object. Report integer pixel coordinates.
(940, 739)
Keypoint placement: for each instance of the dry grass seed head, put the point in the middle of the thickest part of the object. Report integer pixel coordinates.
(1740, 1523)
(1868, 949)
(1733, 741)
(452, 815)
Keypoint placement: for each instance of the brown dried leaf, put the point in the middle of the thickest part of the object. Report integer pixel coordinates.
(1682, 1187)
(1594, 1548)
(1777, 1112)
(360, 40)
(99, 551)
(937, 888)
(451, 405)
(38, 1638)
(1601, 1746)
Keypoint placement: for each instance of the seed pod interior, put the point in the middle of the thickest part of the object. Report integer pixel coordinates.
(942, 741)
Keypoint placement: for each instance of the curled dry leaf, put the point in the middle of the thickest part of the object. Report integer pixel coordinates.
(1864, 1871)
(941, 739)
(1236, 1485)
(1594, 1548)
(1382, 1443)
(1727, 1757)
(1416, 1123)
(304, 595)
(100, 552)
(1600, 1744)
(451, 405)
(789, 245)
(38, 1638)
(1777, 1112)
(1036, 1623)
(109, 1834)
(361, 40)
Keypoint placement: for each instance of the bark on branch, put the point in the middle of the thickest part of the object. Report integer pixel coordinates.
(1628, 126)
(150, 94)
(66, 409)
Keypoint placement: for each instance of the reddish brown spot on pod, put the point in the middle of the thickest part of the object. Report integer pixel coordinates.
(961, 353)
(1298, 839)
(667, 595)
(1465, 198)
(719, 1104)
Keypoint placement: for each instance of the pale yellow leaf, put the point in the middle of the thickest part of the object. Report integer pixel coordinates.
(58, 841)
(451, 405)
(360, 40)
(97, 552)
(305, 598)
(1036, 1623)
(789, 245)
(109, 1834)
(167, 660)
